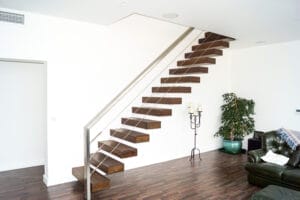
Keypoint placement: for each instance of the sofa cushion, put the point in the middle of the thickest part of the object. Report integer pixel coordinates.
(291, 176)
(294, 161)
(266, 170)
(273, 192)
(275, 158)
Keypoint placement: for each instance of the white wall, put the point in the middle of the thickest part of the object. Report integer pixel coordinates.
(61, 43)
(87, 65)
(270, 76)
(23, 115)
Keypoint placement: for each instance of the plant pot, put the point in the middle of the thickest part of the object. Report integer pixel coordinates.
(232, 146)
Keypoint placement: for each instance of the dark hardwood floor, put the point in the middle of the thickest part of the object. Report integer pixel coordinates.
(218, 176)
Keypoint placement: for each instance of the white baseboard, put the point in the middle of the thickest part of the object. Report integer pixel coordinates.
(45, 179)
(52, 181)
(21, 165)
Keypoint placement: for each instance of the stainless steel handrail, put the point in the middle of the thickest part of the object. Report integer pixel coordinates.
(113, 102)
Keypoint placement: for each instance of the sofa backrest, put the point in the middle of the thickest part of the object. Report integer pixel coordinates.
(272, 141)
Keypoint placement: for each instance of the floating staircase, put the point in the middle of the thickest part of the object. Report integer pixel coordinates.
(204, 53)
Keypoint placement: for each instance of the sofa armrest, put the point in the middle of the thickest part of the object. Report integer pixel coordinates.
(254, 155)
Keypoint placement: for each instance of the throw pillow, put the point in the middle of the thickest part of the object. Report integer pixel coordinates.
(291, 137)
(294, 161)
(275, 158)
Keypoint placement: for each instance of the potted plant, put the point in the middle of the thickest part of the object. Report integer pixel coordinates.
(237, 121)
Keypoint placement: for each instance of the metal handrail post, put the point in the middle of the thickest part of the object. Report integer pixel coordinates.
(87, 171)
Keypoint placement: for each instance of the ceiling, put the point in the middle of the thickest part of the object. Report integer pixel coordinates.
(252, 22)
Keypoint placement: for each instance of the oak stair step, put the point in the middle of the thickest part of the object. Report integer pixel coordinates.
(181, 79)
(179, 89)
(210, 36)
(202, 53)
(129, 135)
(98, 182)
(117, 148)
(152, 111)
(162, 100)
(188, 70)
(106, 163)
(141, 123)
(210, 45)
(194, 61)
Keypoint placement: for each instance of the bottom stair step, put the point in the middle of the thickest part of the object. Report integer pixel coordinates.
(108, 164)
(98, 182)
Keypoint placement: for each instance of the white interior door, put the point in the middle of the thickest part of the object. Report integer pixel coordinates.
(22, 114)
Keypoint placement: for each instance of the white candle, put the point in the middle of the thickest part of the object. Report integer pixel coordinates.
(196, 112)
(191, 110)
(199, 107)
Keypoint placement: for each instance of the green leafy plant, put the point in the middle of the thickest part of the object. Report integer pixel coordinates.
(237, 120)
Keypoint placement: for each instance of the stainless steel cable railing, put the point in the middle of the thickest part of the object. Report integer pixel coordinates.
(113, 102)
(100, 162)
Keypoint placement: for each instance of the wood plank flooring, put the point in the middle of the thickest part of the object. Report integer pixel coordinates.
(218, 176)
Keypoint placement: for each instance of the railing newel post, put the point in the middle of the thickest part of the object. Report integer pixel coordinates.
(87, 172)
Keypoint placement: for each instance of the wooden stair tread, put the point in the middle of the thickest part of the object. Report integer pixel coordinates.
(162, 100)
(205, 40)
(188, 70)
(117, 148)
(98, 182)
(152, 111)
(210, 36)
(217, 35)
(108, 164)
(219, 44)
(141, 123)
(129, 135)
(204, 53)
(194, 61)
(179, 89)
(181, 79)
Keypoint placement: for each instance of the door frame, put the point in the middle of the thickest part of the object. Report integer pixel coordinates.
(45, 89)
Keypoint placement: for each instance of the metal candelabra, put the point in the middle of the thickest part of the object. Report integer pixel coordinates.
(195, 123)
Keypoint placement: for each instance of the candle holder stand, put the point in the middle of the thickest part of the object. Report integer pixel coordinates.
(195, 124)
